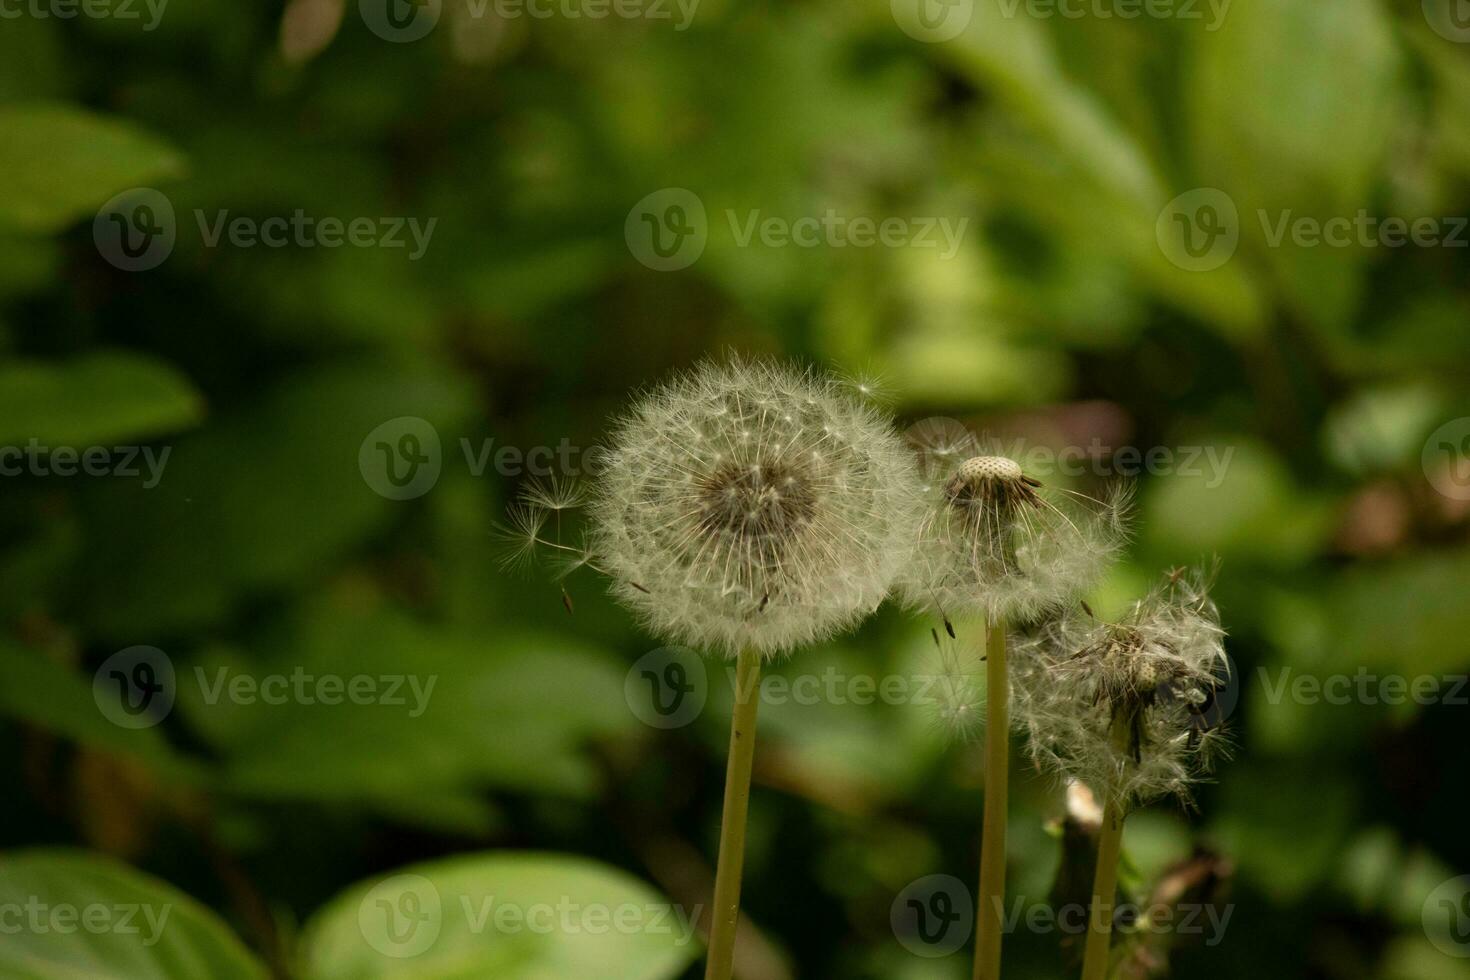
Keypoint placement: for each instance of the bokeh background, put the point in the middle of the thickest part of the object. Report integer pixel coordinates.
(1077, 151)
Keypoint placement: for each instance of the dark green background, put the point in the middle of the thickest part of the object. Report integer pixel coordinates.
(1322, 370)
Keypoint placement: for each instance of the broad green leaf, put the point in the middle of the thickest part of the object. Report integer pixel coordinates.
(510, 916)
(448, 710)
(81, 915)
(1269, 100)
(44, 693)
(93, 400)
(268, 498)
(61, 163)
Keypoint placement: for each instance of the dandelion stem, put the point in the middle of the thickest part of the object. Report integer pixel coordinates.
(726, 911)
(1104, 889)
(993, 837)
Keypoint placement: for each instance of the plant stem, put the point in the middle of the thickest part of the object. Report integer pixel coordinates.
(1104, 890)
(989, 916)
(726, 911)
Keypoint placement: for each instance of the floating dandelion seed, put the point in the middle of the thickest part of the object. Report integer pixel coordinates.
(997, 542)
(1122, 706)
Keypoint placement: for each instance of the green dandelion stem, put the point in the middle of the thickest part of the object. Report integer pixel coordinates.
(726, 910)
(1105, 879)
(993, 838)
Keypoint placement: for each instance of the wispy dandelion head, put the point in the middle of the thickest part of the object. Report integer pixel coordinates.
(1123, 706)
(996, 542)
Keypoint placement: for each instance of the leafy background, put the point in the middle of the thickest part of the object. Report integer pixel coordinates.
(529, 321)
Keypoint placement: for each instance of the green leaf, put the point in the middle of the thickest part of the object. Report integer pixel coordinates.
(1237, 498)
(265, 499)
(86, 916)
(1269, 98)
(522, 916)
(456, 710)
(93, 400)
(42, 692)
(61, 163)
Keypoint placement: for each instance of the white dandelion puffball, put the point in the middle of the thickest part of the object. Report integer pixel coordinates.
(995, 542)
(1127, 707)
(750, 505)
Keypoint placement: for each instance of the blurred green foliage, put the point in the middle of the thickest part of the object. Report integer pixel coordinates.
(1315, 373)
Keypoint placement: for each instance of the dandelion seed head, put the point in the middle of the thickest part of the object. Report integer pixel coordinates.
(1120, 706)
(755, 505)
(995, 542)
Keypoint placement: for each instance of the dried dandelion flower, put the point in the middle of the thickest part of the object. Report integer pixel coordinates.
(747, 505)
(1124, 707)
(994, 541)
